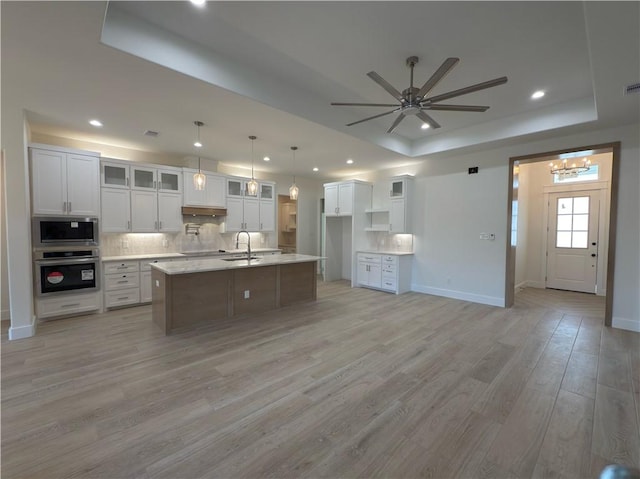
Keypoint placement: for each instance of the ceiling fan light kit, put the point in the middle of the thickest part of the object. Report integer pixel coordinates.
(414, 101)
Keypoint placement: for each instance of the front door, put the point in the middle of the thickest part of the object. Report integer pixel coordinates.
(572, 241)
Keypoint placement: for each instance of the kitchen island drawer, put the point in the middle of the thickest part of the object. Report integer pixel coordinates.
(123, 297)
(121, 281)
(120, 267)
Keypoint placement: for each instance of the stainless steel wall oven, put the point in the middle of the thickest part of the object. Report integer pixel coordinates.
(66, 270)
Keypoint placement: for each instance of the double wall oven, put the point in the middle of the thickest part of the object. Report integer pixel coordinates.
(66, 255)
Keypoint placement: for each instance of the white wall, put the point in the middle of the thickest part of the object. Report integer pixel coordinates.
(521, 188)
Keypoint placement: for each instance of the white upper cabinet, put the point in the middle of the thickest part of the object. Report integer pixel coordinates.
(213, 194)
(64, 183)
(148, 178)
(114, 174)
(400, 205)
(397, 216)
(338, 199)
(116, 210)
(144, 211)
(169, 212)
(250, 213)
(267, 191)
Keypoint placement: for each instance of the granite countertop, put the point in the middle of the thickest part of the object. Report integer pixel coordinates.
(395, 253)
(213, 264)
(186, 254)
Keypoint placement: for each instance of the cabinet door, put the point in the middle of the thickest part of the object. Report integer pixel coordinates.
(363, 273)
(169, 181)
(116, 211)
(267, 216)
(145, 287)
(266, 191)
(214, 191)
(114, 175)
(169, 212)
(331, 200)
(143, 178)
(251, 214)
(83, 185)
(375, 275)
(235, 216)
(397, 220)
(192, 196)
(235, 187)
(48, 182)
(144, 211)
(345, 199)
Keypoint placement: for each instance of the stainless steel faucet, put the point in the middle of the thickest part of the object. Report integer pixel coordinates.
(248, 242)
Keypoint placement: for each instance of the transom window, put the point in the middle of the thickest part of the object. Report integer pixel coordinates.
(572, 222)
(591, 174)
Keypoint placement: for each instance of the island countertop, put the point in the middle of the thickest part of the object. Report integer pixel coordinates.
(213, 264)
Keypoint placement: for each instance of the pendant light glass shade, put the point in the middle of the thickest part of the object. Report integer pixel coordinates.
(252, 186)
(199, 179)
(293, 189)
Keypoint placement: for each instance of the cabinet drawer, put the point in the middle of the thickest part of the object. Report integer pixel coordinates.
(120, 266)
(369, 258)
(389, 272)
(123, 297)
(389, 284)
(67, 304)
(121, 281)
(389, 259)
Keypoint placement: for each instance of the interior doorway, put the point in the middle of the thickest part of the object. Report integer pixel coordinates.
(287, 224)
(577, 249)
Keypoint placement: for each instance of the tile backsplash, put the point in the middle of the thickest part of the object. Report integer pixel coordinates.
(210, 237)
(381, 241)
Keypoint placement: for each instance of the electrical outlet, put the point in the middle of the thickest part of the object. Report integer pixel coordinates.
(165, 243)
(247, 294)
(125, 244)
(157, 283)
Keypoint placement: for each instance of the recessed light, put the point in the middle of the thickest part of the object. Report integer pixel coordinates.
(349, 161)
(199, 3)
(197, 144)
(315, 168)
(425, 126)
(266, 158)
(94, 122)
(537, 94)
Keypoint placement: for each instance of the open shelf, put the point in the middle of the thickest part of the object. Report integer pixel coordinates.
(376, 210)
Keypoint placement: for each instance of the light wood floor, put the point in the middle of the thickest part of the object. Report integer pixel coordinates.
(359, 384)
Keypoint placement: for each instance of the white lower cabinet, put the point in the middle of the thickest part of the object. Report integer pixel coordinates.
(67, 305)
(389, 272)
(128, 283)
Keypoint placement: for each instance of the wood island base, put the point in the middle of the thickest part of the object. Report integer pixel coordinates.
(181, 301)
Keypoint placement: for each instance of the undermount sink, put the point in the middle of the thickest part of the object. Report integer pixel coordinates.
(239, 259)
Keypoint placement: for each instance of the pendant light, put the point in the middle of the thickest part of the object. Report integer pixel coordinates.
(252, 186)
(293, 189)
(199, 179)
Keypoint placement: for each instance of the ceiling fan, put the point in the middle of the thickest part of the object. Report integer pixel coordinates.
(414, 101)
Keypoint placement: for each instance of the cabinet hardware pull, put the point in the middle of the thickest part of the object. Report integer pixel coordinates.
(127, 181)
(69, 206)
(156, 225)
(64, 206)
(154, 186)
(160, 225)
(123, 298)
(128, 224)
(70, 305)
(122, 282)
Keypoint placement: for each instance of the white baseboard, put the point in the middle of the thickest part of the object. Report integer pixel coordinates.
(535, 284)
(5, 315)
(22, 332)
(628, 324)
(521, 285)
(450, 293)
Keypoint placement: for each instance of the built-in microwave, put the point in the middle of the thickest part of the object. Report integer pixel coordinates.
(64, 231)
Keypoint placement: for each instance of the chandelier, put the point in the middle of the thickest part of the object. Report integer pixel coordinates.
(564, 169)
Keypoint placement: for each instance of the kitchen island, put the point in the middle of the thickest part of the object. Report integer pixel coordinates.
(188, 293)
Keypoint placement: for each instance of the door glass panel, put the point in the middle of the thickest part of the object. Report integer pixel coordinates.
(580, 222)
(143, 178)
(396, 188)
(563, 239)
(169, 181)
(565, 206)
(572, 222)
(234, 188)
(266, 191)
(579, 239)
(564, 222)
(581, 205)
(115, 175)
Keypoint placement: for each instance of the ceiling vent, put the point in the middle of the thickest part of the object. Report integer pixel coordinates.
(635, 88)
(151, 133)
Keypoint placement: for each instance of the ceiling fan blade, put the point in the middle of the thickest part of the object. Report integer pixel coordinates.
(370, 118)
(456, 107)
(396, 122)
(427, 119)
(468, 89)
(440, 73)
(365, 104)
(386, 85)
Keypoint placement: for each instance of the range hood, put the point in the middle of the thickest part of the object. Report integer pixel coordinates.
(203, 211)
